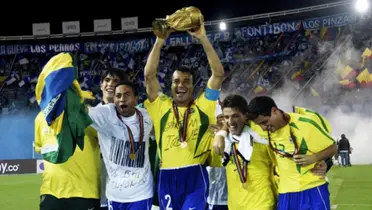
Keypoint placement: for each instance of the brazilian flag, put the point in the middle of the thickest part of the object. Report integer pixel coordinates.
(61, 100)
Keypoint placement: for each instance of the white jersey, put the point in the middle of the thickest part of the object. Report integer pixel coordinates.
(127, 180)
(103, 176)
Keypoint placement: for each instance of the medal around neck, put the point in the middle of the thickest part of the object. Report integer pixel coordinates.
(183, 145)
(132, 156)
(187, 18)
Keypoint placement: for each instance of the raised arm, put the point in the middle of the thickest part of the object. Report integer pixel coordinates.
(214, 61)
(151, 70)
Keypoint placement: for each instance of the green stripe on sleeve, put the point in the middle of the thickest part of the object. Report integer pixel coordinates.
(307, 120)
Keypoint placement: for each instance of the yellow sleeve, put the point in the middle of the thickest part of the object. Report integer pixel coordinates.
(315, 116)
(317, 138)
(154, 108)
(207, 102)
(256, 128)
(37, 133)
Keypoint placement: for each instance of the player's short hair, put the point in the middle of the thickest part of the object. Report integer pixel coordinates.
(129, 84)
(260, 105)
(236, 102)
(186, 69)
(114, 72)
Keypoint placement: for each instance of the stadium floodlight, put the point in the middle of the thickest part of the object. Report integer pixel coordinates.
(362, 5)
(222, 26)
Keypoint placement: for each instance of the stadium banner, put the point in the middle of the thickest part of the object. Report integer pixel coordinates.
(22, 166)
(186, 39)
(129, 24)
(329, 21)
(102, 25)
(71, 27)
(130, 46)
(268, 29)
(87, 47)
(40, 29)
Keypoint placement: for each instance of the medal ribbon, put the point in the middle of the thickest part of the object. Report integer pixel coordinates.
(182, 129)
(130, 134)
(283, 153)
(242, 168)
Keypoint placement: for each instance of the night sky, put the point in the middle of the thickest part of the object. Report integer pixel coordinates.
(17, 19)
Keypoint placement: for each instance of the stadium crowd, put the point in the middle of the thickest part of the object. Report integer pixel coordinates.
(253, 65)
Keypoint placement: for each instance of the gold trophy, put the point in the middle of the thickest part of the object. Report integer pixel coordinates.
(187, 18)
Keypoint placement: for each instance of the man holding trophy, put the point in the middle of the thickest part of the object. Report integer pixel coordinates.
(181, 123)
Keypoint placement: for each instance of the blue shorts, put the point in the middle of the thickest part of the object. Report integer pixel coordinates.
(216, 207)
(316, 198)
(183, 188)
(139, 205)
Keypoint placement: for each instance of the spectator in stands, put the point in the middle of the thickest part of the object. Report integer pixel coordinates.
(182, 128)
(109, 79)
(344, 151)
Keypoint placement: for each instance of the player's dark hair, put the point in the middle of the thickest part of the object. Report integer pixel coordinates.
(114, 72)
(129, 84)
(186, 69)
(236, 102)
(260, 105)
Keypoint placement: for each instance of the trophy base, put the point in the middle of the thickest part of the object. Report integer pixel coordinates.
(160, 28)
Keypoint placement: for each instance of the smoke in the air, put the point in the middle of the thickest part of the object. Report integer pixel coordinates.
(352, 117)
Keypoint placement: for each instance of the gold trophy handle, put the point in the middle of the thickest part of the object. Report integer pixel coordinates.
(160, 28)
(188, 18)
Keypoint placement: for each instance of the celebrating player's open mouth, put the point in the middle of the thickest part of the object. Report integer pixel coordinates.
(123, 106)
(181, 92)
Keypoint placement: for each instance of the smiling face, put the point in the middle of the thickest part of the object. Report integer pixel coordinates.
(234, 119)
(182, 88)
(108, 87)
(125, 100)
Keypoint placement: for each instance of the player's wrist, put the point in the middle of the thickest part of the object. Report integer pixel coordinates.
(159, 42)
(222, 133)
(316, 158)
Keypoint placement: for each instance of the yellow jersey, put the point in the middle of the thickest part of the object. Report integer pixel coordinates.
(78, 176)
(310, 138)
(259, 192)
(199, 135)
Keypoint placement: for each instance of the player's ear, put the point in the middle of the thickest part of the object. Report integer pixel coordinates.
(136, 99)
(246, 115)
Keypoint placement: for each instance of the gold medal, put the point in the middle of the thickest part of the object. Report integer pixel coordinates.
(183, 145)
(132, 156)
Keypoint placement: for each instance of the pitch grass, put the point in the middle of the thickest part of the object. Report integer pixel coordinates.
(351, 189)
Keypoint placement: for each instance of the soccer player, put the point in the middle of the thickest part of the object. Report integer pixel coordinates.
(250, 175)
(182, 128)
(299, 142)
(109, 79)
(74, 184)
(124, 139)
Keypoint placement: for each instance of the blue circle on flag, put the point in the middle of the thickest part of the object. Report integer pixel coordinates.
(41, 166)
